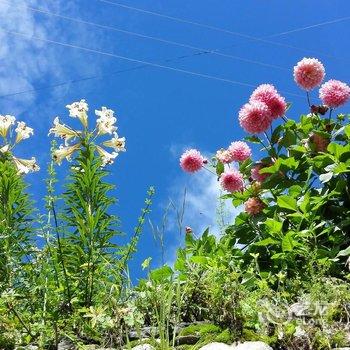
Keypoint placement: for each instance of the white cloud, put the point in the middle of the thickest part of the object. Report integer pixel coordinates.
(203, 209)
(26, 62)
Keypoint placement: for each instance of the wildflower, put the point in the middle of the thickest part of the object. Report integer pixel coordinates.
(105, 122)
(256, 175)
(118, 143)
(334, 93)
(5, 122)
(224, 156)
(255, 187)
(23, 131)
(268, 94)
(24, 166)
(79, 110)
(64, 152)
(254, 206)
(319, 142)
(255, 117)
(240, 151)
(191, 161)
(4, 149)
(232, 181)
(107, 158)
(309, 73)
(188, 230)
(319, 109)
(63, 131)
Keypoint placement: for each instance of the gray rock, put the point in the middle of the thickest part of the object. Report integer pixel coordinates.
(300, 309)
(65, 344)
(216, 346)
(143, 347)
(252, 345)
(187, 339)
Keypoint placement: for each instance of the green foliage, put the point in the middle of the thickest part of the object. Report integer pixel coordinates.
(15, 226)
(306, 197)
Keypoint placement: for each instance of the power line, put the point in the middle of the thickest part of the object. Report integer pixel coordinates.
(151, 64)
(139, 35)
(316, 25)
(203, 25)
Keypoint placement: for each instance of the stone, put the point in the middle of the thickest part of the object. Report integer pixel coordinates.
(143, 347)
(252, 345)
(300, 309)
(216, 346)
(187, 339)
(65, 344)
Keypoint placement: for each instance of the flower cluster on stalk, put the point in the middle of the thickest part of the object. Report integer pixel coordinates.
(265, 106)
(11, 134)
(73, 139)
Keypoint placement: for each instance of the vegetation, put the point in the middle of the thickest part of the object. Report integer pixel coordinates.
(278, 273)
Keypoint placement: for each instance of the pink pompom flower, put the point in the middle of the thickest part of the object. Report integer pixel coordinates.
(334, 93)
(255, 117)
(232, 181)
(309, 73)
(191, 161)
(224, 156)
(256, 175)
(254, 206)
(268, 94)
(240, 151)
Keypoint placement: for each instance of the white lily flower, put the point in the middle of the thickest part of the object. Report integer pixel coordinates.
(4, 149)
(107, 158)
(105, 124)
(5, 122)
(23, 131)
(64, 152)
(63, 131)
(105, 113)
(79, 110)
(117, 143)
(25, 166)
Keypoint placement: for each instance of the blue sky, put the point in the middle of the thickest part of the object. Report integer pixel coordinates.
(160, 111)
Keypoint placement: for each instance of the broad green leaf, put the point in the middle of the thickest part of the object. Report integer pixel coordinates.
(161, 274)
(287, 202)
(288, 242)
(273, 226)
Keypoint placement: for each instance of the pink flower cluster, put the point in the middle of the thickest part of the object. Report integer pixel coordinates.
(254, 206)
(334, 93)
(238, 151)
(256, 175)
(192, 161)
(309, 73)
(232, 180)
(265, 105)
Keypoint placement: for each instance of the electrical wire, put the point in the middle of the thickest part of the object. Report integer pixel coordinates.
(215, 28)
(126, 58)
(143, 36)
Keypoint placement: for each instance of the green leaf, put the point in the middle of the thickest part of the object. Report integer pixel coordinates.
(146, 263)
(219, 168)
(288, 242)
(266, 242)
(252, 138)
(200, 259)
(161, 274)
(345, 252)
(273, 226)
(287, 202)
